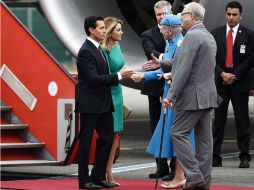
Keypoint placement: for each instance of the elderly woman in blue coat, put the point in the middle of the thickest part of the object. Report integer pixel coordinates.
(171, 30)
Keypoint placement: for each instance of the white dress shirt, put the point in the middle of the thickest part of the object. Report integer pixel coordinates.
(235, 29)
(97, 44)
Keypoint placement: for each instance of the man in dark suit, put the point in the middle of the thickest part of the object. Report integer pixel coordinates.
(233, 81)
(153, 42)
(94, 103)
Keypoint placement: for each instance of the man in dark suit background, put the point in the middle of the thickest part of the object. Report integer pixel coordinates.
(94, 103)
(153, 42)
(233, 81)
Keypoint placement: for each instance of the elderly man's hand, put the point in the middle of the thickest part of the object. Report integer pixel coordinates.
(151, 64)
(167, 102)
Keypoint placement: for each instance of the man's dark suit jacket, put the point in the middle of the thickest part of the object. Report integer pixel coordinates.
(94, 94)
(242, 62)
(153, 42)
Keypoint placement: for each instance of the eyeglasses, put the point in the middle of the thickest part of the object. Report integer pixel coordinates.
(185, 13)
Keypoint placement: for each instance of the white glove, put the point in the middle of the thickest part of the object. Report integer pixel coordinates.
(167, 76)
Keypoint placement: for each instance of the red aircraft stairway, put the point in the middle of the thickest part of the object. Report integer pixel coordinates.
(38, 124)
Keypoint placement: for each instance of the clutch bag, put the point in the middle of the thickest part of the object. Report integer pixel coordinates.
(126, 112)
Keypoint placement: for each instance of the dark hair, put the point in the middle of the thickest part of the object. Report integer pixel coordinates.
(234, 4)
(91, 22)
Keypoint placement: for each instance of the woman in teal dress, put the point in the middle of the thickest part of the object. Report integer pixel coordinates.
(115, 59)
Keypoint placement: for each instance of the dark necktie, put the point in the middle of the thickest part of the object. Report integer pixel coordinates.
(101, 52)
(229, 52)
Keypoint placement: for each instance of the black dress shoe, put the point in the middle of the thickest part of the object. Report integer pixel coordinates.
(104, 184)
(89, 185)
(244, 164)
(195, 186)
(168, 177)
(160, 175)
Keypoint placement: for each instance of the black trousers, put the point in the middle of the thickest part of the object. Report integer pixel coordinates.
(241, 111)
(154, 113)
(103, 124)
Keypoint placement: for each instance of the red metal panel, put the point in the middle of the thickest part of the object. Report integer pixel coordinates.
(17, 154)
(35, 69)
(10, 137)
(3, 121)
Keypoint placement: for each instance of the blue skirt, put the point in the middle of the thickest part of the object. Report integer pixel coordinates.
(167, 144)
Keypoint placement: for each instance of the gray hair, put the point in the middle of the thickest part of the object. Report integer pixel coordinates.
(197, 10)
(176, 29)
(163, 4)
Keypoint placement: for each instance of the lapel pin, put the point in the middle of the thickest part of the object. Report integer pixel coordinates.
(240, 31)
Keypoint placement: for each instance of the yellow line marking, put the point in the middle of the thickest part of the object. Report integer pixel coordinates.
(126, 148)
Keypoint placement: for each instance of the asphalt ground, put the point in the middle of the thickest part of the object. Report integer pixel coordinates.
(135, 163)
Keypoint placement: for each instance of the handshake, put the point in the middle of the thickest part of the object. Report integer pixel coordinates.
(127, 73)
(138, 76)
(152, 64)
(130, 74)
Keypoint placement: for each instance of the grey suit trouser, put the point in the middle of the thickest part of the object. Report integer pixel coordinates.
(197, 167)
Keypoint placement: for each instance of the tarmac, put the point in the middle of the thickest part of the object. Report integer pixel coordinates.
(135, 163)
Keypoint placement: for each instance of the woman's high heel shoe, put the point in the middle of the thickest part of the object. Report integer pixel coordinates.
(118, 184)
(114, 184)
(173, 185)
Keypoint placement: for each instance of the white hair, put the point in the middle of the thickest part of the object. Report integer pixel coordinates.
(197, 10)
(176, 29)
(163, 4)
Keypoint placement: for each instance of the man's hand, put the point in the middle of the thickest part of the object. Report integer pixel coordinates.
(166, 102)
(155, 59)
(137, 76)
(151, 64)
(228, 78)
(126, 73)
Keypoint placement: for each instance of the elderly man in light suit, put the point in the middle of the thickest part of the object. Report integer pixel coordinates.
(193, 95)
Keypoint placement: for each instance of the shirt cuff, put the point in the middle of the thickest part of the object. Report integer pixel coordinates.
(119, 76)
(161, 56)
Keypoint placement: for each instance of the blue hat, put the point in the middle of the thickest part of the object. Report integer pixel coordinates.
(171, 20)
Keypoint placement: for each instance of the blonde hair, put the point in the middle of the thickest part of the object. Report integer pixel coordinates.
(110, 24)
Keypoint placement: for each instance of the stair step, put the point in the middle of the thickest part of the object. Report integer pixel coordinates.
(5, 108)
(21, 145)
(28, 163)
(13, 126)
(3, 121)
(9, 154)
(10, 136)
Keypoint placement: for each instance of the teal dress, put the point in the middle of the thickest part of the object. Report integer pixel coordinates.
(116, 62)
